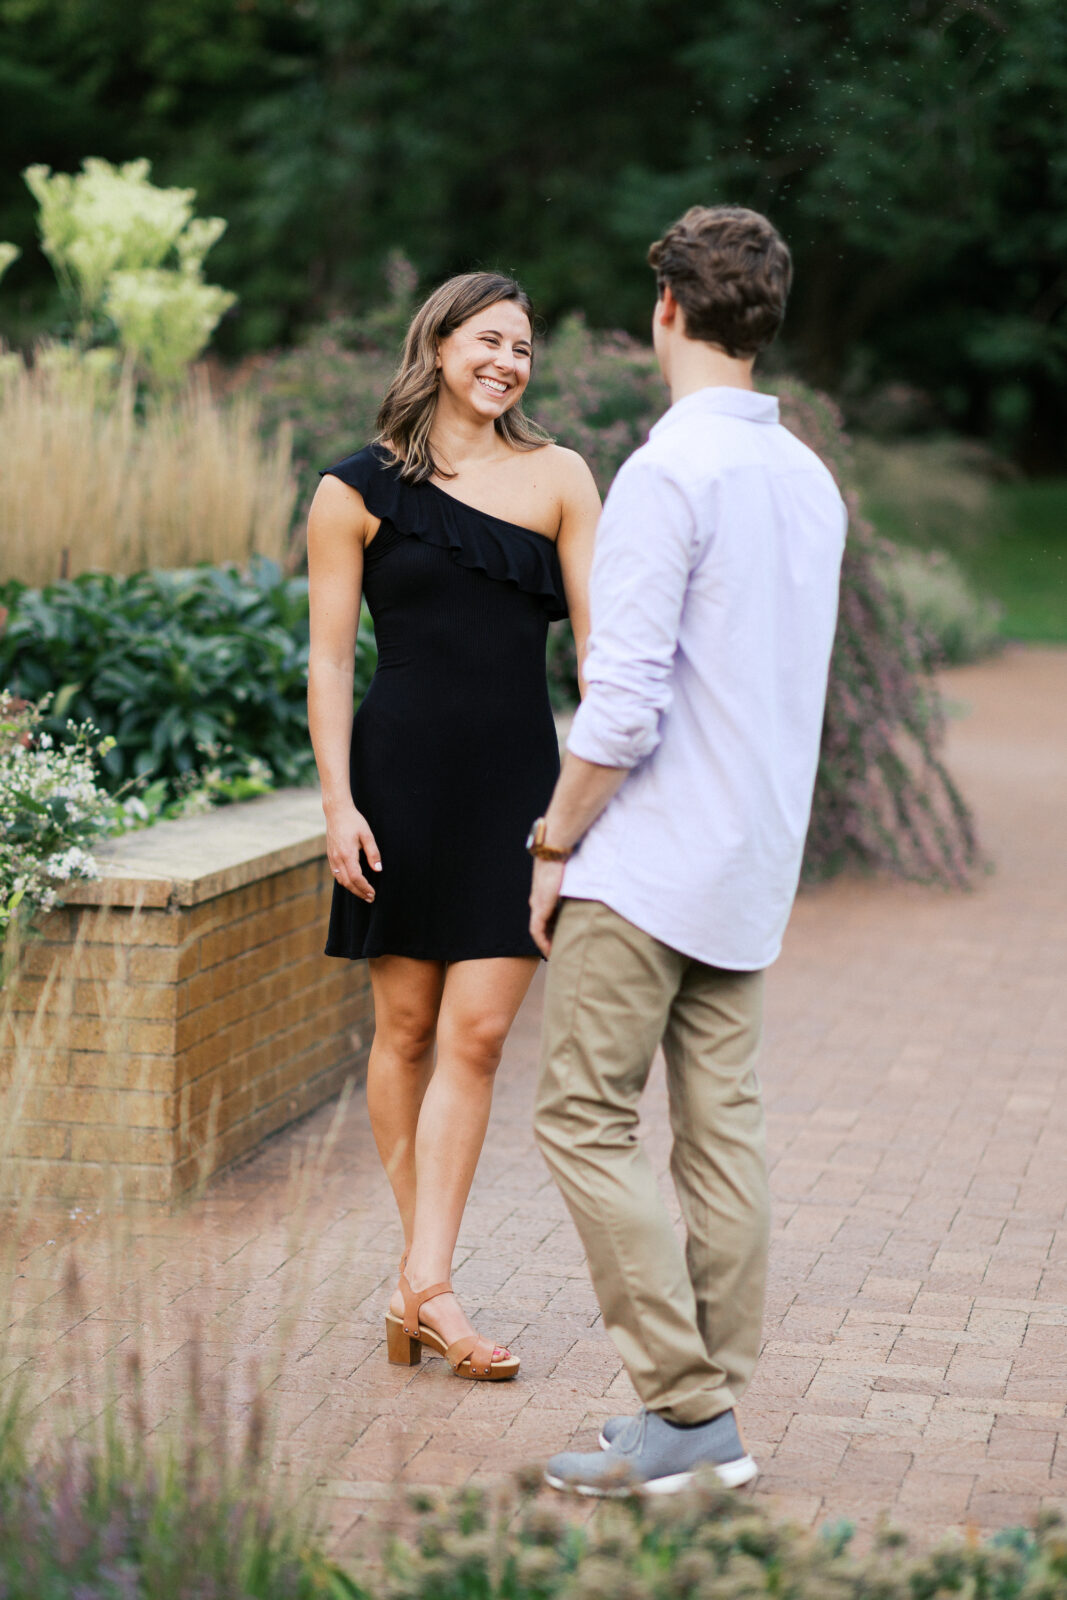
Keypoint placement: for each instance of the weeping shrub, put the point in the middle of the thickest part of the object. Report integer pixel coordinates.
(884, 798)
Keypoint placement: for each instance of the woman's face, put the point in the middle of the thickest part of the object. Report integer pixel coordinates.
(485, 362)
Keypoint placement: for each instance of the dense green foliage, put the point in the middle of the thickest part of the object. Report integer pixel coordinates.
(178, 666)
(915, 156)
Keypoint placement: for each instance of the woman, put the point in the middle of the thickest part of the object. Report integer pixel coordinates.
(468, 530)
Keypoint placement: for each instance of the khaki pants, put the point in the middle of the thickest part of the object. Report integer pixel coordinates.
(686, 1325)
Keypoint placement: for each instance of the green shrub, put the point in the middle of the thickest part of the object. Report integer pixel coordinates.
(957, 624)
(705, 1545)
(178, 667)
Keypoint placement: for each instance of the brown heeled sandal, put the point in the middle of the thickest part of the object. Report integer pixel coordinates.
(469, 1357)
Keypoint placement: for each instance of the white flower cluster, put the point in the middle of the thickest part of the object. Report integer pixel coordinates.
(51, 809)
(165, 319)
(124, 249)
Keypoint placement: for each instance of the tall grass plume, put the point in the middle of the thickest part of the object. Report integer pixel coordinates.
(94, 479)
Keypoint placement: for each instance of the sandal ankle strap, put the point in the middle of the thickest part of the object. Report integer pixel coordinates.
(413, 1302)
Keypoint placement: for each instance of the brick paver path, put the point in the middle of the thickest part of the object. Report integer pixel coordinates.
(916, 1354)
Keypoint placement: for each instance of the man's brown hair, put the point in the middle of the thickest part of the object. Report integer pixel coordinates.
(730, 270)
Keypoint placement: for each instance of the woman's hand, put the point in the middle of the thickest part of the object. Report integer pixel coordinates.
(347, 834)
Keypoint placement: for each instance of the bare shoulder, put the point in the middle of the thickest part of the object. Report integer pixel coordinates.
(566, 465)
(338, 509)
(569, 473)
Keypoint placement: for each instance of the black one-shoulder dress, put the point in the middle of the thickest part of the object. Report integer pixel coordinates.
(454, 749)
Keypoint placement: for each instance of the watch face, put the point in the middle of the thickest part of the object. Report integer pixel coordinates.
(535, 834)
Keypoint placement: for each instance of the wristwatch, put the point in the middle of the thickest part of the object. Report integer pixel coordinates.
(536, 845)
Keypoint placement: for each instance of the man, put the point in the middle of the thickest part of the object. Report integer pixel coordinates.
(681, 813)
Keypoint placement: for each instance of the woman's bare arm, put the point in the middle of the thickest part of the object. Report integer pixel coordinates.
(580, 512)
(338, 528)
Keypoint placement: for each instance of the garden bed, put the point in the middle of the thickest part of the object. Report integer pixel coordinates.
(179, 1008)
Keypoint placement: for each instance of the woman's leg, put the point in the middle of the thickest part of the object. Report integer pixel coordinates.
(407, 995)
(478, 1006)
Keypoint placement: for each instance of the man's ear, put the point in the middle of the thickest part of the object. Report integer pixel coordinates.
(667, 307)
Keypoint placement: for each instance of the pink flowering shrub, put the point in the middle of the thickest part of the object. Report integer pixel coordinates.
(883, 796)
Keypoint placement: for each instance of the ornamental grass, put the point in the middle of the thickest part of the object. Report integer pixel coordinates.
(137, 1457)
(92, 478)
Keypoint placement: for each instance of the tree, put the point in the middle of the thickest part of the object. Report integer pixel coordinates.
(914, 155)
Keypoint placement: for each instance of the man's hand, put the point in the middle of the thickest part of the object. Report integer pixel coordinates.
(544, 902)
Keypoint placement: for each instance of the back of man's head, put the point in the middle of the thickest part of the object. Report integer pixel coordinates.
(730, 270)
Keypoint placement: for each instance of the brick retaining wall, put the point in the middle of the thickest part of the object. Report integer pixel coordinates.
(179, 1009)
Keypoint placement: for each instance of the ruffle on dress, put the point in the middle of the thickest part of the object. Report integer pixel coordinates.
(505, 551)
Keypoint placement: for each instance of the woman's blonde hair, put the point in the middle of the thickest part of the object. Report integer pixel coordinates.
(407, 412)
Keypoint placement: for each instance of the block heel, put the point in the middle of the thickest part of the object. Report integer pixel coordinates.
(404, 1351)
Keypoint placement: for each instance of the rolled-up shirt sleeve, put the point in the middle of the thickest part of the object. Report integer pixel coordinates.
(644, 555)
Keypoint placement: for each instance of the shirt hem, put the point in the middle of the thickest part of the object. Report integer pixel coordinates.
(639, 920)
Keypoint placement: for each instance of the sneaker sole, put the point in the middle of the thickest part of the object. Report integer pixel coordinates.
(731, 1474)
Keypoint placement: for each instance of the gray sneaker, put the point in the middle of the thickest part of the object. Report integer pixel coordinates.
(649, 1456)
(611, 1430)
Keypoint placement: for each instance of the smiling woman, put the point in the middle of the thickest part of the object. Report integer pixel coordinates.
(467, 530)
(481, 325)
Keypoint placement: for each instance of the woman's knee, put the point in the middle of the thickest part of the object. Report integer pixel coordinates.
(474, 1043)
(406, 1034)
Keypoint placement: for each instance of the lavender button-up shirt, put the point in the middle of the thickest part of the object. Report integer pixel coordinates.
(714, 600)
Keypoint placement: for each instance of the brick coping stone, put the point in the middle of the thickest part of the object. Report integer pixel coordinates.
(192, 859)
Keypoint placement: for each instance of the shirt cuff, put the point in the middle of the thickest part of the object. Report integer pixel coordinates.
(607, 746)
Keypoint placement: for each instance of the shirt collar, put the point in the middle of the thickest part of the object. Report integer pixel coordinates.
(723, 400)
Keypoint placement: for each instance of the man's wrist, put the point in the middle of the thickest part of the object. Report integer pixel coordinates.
(540, 846)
